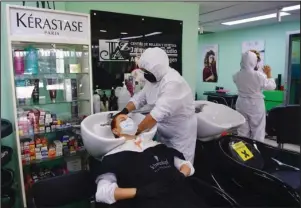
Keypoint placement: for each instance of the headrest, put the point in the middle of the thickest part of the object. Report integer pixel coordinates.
(245, 153)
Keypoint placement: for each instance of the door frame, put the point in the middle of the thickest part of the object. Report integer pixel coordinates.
(288, 64)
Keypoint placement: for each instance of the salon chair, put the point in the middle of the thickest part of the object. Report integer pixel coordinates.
(258, 181)
(63, 190)
(212, 196)
(284, 123)
(8, 193)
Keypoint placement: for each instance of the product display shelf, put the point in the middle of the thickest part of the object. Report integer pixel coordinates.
(51, 77)
(78, 153)
(30, 137)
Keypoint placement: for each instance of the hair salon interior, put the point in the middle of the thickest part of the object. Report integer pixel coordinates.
(67, 67)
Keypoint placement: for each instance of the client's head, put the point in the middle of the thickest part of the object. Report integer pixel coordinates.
(123, 125)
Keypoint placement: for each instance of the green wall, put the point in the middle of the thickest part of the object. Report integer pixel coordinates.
(229, 43)
(187, 12)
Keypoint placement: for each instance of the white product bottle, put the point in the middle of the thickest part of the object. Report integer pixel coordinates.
(124, 97)
(96, 103)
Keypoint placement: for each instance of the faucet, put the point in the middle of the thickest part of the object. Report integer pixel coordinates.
(110, 116)
(109, 119)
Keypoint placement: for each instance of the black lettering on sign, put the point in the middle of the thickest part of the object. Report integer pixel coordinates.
(245, 154)
(51, 26)
(19, 20)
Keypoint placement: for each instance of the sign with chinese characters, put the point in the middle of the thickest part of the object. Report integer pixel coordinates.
(25, 21)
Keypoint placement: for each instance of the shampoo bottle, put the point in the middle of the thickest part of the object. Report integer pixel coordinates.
(31, 60)
(113, 105)
(104, 100)
(19, 62)
(96, 102)
(123, 97)
(35, 93)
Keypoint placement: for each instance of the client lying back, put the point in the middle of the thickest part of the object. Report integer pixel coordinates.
(142, 173)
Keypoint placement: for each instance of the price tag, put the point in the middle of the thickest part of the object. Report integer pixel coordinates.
(243, 151)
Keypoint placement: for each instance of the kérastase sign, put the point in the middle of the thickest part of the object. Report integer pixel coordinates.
(33, 22)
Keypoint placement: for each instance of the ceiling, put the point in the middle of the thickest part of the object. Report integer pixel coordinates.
(212, 14)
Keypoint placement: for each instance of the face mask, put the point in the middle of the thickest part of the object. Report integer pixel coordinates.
(150, 77)
(128, 127)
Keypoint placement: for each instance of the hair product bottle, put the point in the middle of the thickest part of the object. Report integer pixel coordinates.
(123, 97)
(31, 60)
(74, 89)
(19, 62)
(35, 92)
(96, 102)
(105, 101)
(113, 105)
(74, 109)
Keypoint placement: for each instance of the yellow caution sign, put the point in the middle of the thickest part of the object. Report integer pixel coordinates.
(242, 150)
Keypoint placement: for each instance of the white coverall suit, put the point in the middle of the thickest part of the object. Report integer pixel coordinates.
(173, 103)
(250, 102)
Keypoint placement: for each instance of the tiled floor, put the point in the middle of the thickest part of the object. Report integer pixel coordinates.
(291, 147)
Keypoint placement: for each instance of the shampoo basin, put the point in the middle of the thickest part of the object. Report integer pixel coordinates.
(99, 140)
(213, 119)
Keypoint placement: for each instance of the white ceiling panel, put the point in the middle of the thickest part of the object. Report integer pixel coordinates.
(212, 14)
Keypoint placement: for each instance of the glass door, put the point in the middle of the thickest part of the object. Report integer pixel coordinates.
(293, 70)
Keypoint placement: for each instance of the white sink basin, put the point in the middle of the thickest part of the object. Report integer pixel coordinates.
(99, 140)
(213, 119)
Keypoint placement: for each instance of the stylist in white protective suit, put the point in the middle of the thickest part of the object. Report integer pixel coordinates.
(250, 102)
(173, 102)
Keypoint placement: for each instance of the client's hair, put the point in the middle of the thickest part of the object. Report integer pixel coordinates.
(113, 125)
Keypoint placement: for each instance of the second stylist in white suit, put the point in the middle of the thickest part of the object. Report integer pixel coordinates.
(250, 102)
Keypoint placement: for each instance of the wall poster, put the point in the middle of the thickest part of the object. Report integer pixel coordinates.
(257, 45)
(116, 45)
(210, 63)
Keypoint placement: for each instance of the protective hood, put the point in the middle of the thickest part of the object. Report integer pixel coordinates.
(248, 61)
(155, 60)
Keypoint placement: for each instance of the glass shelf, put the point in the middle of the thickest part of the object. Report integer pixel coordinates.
(62, 129)
(77, 153)
(52, 93)
(49, 75)
(31, 104)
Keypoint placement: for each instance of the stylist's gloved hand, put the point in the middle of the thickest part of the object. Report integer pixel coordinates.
(124, 111)
(153, 190)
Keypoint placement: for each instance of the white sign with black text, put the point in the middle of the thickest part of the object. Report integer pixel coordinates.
(121, 50)
(48, 23)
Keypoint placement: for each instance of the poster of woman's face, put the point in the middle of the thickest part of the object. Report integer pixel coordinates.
(209, 57)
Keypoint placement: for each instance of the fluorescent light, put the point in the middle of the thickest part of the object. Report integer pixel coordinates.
(253, 19)
(102, 31)
(291, 8)
(151, 34)
(133, 37)
(123, 33)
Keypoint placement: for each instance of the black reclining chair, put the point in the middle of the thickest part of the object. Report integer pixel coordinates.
(261, 182)
(284, 123)
(212, 196)
(64, 190)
